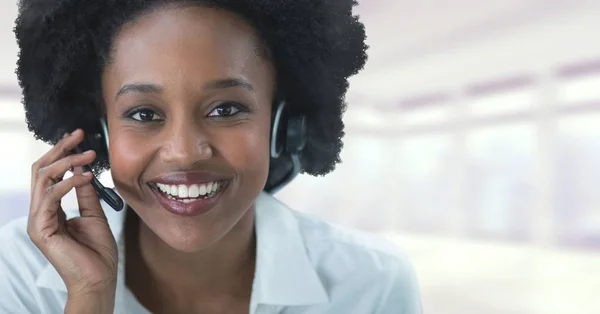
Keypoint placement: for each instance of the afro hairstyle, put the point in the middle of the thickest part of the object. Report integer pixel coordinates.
(315, 45)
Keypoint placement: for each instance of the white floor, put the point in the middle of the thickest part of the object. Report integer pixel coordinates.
(471, 277)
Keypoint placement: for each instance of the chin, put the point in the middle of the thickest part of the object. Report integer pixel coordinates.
(190, 245)
(188, 237)
(196, 233)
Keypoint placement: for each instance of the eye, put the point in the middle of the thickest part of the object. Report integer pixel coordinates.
(227, 109)
(145, 115)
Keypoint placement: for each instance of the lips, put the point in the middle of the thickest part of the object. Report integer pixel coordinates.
(189, 193)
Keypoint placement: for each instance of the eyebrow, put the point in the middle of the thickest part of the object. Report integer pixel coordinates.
(228, 83)
(157, 89)
(139, 88)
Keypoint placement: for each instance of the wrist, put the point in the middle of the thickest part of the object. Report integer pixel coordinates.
(93, 303)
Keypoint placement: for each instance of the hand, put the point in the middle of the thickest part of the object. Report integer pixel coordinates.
(82, 249)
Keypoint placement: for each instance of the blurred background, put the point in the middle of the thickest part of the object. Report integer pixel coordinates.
(473, 141)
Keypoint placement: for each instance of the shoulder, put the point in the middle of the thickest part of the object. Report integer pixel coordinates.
(349, 240)
(348, 257)
(17, 248)
(20, 264)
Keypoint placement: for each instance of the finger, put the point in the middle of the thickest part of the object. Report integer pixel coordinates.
(53, 174)
(36, 166)
(60, 150)
(45, 221)
(57, 170)
(87, 200)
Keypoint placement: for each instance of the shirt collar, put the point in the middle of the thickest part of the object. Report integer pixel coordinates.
(284, 273)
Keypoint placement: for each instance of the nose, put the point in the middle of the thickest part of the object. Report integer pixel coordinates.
(186, 144)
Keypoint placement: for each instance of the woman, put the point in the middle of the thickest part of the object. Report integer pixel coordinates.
(191, 95)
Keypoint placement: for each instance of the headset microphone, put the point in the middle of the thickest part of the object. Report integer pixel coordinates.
(108, 195)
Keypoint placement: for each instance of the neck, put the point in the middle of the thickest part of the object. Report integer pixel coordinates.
(226, 269)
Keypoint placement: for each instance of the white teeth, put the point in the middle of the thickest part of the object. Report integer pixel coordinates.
(182, 191)
(203, 189)
(189, 193)
(194, 191)
(164, 188)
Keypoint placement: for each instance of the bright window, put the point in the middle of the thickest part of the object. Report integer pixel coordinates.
(578, 171)
(505, 102)
(364, 117)
(425, 175)
(12, 110)
(500, 180)
(580, 89)
(427, 115)
(15, 169)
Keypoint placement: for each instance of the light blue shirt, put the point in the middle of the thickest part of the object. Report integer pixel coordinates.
(303, 265)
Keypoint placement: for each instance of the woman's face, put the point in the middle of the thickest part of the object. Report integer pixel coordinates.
(188, 99)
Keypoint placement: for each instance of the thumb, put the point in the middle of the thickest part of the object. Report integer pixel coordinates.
(87, 199)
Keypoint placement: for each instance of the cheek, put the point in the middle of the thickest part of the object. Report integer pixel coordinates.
(127, 159)
(247, 151)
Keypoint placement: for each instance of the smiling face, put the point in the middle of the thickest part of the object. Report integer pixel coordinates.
(188, 96)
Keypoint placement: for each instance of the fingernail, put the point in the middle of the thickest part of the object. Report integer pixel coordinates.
(66, 134)
(87, 152)
(87, 174)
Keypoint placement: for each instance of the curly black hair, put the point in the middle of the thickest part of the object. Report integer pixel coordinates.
(315, 46)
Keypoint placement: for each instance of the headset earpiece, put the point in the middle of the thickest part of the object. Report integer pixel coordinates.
(296, 135)
(277, 127)
(104, 134)
(288, 139)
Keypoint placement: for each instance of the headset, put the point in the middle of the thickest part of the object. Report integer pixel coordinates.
(110, 196)
(288, 139)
